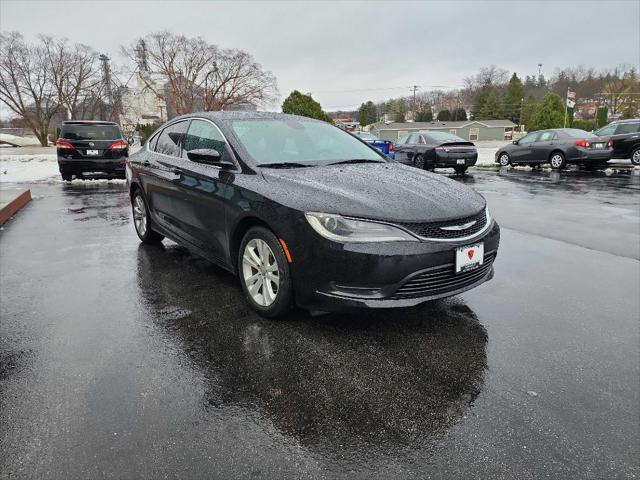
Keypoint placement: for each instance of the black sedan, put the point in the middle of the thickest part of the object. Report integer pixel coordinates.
(431, 149)
(558, 147)
(306, 214)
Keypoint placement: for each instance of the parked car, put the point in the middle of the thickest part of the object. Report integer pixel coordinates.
(90, 147)
(306, 214)
(385, 146)
(559, 147)
(429, 150)
(625, 139)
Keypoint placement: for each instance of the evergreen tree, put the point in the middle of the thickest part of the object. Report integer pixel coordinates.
(425, 114)
(398, 110)
(491, 108)
(444, 115)
(528, 109)
(459, 114)
(299, 104)
(513, 99)
(548, 114)
(601, 117)
(372, 113)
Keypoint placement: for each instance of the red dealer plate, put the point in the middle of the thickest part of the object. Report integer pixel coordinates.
(469, 257)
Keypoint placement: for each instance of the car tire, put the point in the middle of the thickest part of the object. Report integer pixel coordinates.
(460, 170)
(262, 264)
(504, 159)
(635, 156)
(557, 161)
(418, 162)
(142, 220)
(67, 177)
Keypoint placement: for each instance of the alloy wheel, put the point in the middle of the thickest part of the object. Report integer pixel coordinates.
(557, 160)
(635, 157)
(140, 215)
(504, 159)
(260, 272)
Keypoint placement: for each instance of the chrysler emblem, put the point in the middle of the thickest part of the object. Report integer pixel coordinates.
(91, 144)
(464, 226)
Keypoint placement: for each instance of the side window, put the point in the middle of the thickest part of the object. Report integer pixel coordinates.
(527, 139)
(414, 138)
(202, 134)
(606, 131)
(547, 136)
(169, 140)
(421, 140)
(402, 140)
(627, 128)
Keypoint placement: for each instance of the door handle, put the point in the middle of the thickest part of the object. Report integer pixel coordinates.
(176, 171)
(146, 163)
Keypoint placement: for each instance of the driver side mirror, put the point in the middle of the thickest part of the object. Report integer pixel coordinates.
(515, 142)
(130, 140)
(208, 156)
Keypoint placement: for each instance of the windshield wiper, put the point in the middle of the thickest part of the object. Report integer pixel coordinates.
(356, 160)
(284, 165)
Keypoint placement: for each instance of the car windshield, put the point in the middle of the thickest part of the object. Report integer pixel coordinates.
(445, 137)
(90, 132)
(577, 133)
(295, 140)
(366, 136)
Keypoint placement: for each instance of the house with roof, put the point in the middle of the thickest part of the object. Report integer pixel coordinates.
(472, 130)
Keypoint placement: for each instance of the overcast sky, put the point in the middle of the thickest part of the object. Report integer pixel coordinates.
(349, 52)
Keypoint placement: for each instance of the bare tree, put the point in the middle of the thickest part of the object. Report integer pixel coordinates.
(25, 83)
(74, 73)
(198, 75)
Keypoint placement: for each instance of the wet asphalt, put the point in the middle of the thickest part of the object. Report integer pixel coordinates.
(119, 360)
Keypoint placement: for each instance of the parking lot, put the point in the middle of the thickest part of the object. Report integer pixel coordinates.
(121, 360)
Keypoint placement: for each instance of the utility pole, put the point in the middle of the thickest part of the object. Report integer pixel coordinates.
(106, 77)
(539, 69)
(521, 108)
(415, 88)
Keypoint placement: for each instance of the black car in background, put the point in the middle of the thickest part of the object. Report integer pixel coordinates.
(559, 147)
(431, 149)
(306, 214)
(625, 138)
(86, 148)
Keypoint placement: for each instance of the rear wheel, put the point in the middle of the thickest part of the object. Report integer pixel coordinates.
(635, 156)
(460, 170)
(418, 162)
(557, 161)
(504, 159)
(264, 273)
(141, 220)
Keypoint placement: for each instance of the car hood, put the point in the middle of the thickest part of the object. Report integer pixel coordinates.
(388, 191)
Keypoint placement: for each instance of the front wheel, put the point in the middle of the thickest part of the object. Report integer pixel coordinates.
(264, 273)
(635, 156)
(418, 162)
(460, 170)
(504, 159)
(67, 177)
(141, 220)
(557, 161)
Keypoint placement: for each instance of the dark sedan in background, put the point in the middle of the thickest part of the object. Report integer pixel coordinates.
(625, 139)
(306, 214)
(430, 149)
(558, 147)
(385, 146)
(87, 148)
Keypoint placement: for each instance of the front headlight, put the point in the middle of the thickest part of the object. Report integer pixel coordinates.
(341, 229)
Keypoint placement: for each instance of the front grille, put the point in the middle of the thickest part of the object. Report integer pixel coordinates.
(443, 279)
(433, 229)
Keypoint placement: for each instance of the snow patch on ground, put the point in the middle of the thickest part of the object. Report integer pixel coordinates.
(41, 168)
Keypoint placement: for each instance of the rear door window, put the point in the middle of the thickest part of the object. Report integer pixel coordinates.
(87, 131)
(170, 139)
(629, 127)
(547, 136)
(203, 135)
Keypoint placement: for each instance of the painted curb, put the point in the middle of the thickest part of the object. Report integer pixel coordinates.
(19, 200)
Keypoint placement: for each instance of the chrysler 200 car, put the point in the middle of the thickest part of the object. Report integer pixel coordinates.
(305, 214)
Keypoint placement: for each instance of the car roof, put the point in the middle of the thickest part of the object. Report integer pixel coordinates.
(242, 115)
(90, 122)
(625, 120)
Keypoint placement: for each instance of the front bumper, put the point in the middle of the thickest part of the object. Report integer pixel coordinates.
(331, 276)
